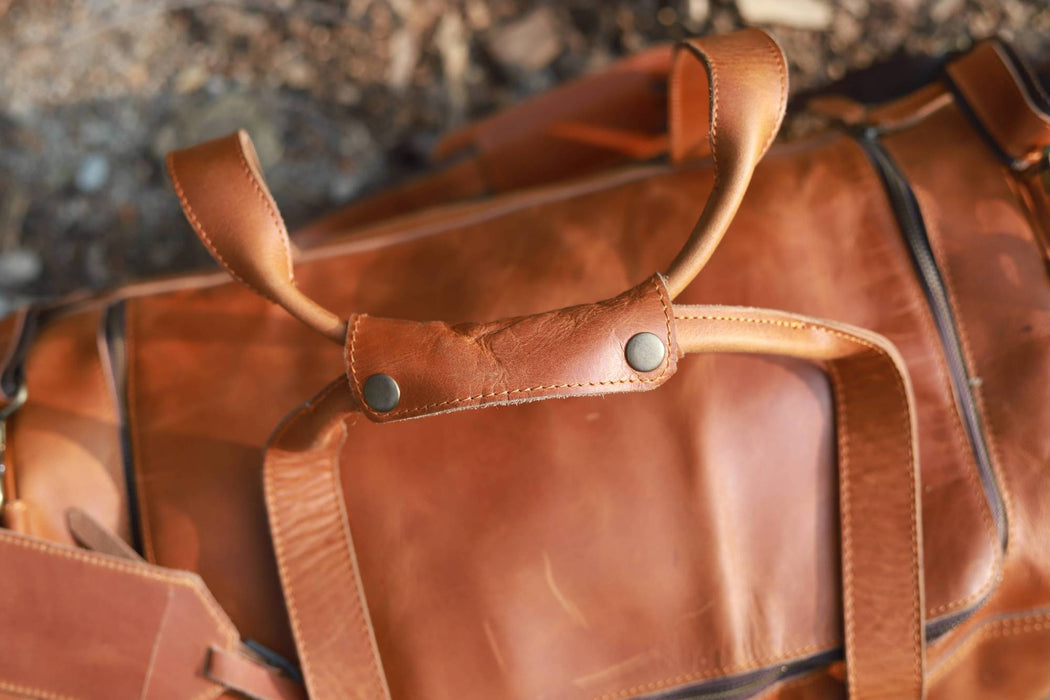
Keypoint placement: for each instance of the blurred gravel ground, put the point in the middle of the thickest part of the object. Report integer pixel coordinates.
(340, 97)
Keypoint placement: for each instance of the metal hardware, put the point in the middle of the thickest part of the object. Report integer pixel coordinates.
(16, 402)
(381, 393)
(645, 352)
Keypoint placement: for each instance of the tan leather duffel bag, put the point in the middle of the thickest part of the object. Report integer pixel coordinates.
(733, 502)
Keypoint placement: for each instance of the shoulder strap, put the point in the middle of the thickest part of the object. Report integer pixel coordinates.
(85, 625)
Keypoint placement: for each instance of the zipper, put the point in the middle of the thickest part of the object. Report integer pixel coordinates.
(913, 228)
(113, 333)
(747, 684)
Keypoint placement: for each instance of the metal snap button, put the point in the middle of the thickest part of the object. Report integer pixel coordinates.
(381, 393)
(645, 352)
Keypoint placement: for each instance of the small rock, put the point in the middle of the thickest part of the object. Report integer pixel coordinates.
(92, 173)
(943, 10)
(191, 79)
(19, 267)
(528, 44)
(845, 31)
(404, 52)
(800, 14)
(451, 41)
(697, 12)
(857, 8)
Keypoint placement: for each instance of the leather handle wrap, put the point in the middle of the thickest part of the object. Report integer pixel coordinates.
(729, 92)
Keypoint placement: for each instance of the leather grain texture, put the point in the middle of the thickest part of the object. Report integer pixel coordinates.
(601, 547)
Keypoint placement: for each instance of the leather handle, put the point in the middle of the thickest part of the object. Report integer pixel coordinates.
(223, 194)
(729, 92)
(881, 542)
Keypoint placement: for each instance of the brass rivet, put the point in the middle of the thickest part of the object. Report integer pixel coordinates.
(645, 352)
(381, 393)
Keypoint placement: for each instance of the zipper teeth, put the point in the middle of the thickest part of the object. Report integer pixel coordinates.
(747, 684)
(910, 218)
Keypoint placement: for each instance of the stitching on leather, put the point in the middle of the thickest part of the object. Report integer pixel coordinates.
(199, 228)
(991, 430)
(130, 339)
(713, 96)
(845, 512)
(794, 683)
(916, 571)
(709, 672)
(175, 579)
(268, 203)
(778, 57)
(350, 358)
(993, 629)
(419, 410)
(351, 564)
(277, 535)
(34, 692)
(992, 574)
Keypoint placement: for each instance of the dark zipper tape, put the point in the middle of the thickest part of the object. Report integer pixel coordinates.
(113, 333)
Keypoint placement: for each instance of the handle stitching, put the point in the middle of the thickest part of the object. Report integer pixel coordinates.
(199, 228)
(668, 316)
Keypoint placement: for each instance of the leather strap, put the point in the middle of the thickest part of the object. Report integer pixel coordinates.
(86, 625)
(237, 672)
(737, 87)
(441, 367)
(879, 491)
(221, 189)
(1005, 99)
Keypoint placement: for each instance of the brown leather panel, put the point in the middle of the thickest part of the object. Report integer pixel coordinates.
(560, 133)
(577, 351)
(991, 264)
(988, 80)
(842, 259)
(1003, 657)
(480, 496)
(64, 443)
(195, 360)
(89, 626)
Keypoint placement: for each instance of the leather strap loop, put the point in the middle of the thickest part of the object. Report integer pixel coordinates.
(1005, 101)
(237, 672)
(881, 542)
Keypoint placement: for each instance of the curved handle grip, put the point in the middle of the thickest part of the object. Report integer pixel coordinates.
(223, 195)
(728, 92)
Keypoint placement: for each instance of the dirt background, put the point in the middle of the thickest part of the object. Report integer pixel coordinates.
(340, 97)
